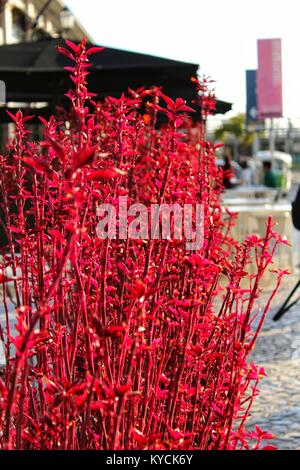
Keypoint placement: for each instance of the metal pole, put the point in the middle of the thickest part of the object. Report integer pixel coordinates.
(288, 138)
(36, 21)
(255, 143)
(272, 139)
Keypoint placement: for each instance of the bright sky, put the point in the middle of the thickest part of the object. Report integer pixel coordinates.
(220, 35)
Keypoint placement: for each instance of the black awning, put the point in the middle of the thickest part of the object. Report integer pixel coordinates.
(34, 72)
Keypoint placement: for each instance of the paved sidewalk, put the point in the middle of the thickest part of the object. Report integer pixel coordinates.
(277, 409)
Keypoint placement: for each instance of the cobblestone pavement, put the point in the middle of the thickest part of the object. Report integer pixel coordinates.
(277, 409)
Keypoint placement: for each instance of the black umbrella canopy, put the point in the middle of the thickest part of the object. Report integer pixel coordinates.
(34, 72)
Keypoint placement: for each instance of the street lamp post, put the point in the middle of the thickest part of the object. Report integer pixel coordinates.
(66, 17)
(41, 12)
(67, 20)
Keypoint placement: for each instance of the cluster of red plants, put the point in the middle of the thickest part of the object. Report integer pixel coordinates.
(124, 344)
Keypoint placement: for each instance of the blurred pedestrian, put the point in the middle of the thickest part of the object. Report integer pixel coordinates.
(269, 176)
(246, 174)
(228, 173)
(296, 210)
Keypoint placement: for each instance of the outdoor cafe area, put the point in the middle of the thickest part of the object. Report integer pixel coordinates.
(257, 202)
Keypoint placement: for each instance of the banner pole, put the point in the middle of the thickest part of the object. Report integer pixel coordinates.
(272, 139)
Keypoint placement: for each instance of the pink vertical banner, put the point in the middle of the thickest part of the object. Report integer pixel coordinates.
(269, 78)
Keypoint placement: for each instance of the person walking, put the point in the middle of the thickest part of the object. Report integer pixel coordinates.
(269, 176)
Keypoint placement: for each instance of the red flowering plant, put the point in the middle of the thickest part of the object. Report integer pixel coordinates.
(124, 343)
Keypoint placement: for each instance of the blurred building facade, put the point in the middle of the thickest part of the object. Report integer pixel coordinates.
(286, 137)
(27, 20)
(34, 20)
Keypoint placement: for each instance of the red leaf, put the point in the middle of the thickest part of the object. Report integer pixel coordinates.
(140, 289)
(115, 330)
(180, 105)
(27, 118)
(97, 405)
(137, 435)
(122, 389)
(106, 174)
(66, 53)
(72, 46)
(4, 278)
(187, 109)
(58, 149)
(84, 156)
(81, 400)
(95, 50)
(39, 165)
(262, 372)
(14, 118)
(19, 117)
(218, 146)
(174, 433)
(170, 103)
(162, 393)
(70, 69)
(43, 121)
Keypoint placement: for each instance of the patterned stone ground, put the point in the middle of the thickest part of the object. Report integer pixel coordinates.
(277, 409)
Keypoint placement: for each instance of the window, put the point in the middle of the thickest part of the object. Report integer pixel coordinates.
(18, 26)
